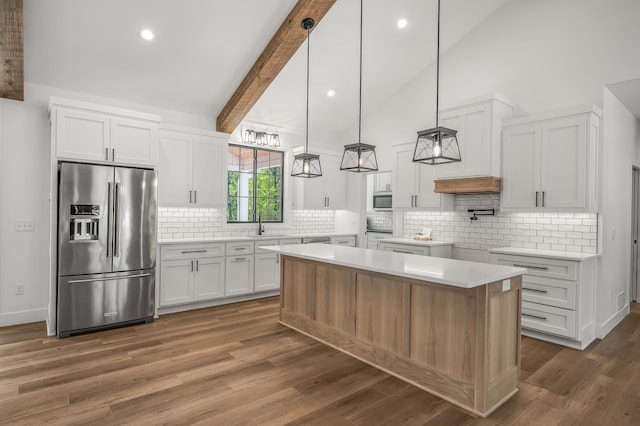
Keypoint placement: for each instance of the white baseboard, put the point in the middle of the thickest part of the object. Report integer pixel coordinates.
(610, 324)
(23, 317)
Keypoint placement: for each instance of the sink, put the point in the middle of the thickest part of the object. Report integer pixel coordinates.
(270, 236)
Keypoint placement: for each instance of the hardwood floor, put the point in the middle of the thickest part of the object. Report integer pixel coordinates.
(235, 365)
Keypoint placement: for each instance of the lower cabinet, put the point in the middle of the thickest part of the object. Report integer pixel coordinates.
(267, 272)
(557, 297)
(191, 273)
(422, 250)
(349, 241)
(239, 275)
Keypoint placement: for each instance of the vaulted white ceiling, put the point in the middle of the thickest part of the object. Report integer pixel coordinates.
(203, 49)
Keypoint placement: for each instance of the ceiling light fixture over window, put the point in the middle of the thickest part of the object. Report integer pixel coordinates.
(359, 157)
(438, 145)
(271, 140)
(146, 34)
(307, 165)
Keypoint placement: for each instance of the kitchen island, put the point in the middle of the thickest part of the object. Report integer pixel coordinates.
(449, 327)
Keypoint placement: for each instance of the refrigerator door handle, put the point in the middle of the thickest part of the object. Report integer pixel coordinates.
(116, 221)
(93, 280)
(109, 201)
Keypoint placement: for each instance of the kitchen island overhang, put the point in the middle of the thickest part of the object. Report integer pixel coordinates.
(449, 327)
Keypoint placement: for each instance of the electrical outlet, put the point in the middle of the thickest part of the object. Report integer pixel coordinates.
(19, 289)
(620, 300)
(27, 226)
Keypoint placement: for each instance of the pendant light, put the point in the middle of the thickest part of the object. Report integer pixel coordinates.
(359, 157)
(438, 145)
(307, 165)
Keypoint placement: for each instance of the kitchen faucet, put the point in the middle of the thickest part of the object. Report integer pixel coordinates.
(260, 227)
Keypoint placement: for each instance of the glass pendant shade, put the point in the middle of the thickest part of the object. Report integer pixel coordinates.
(306, 165)
(437, 146)
(359, 157)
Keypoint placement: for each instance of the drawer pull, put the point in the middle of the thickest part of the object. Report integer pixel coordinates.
(240, 248)
(535, 289)
(541, 268)
(402, 251)
(534, 316)
(241, 259)
(193, 251)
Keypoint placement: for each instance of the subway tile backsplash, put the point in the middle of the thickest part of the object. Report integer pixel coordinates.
(573, 232)
(379, 220)
(177, 223)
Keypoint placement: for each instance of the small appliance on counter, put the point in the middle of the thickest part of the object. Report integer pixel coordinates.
(106, 247)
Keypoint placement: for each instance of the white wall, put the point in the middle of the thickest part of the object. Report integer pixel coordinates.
(618, 152)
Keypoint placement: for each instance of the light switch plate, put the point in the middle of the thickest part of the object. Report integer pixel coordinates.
(506, 285)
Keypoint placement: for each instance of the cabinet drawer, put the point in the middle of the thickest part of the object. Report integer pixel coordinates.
(344, 241)
(549, 291)
(192, 251)
(552, 268)
(407, 249)
(239, 248)
(549, 319)
(289, 241)
(262, 243)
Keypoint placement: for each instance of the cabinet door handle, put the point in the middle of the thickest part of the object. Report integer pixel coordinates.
(543, 198)
(277, 258)
(190, 196)
(534, 316)
(537, 192)
(535, 289)
(195, 197)
(106, 154)
(540, 268)
(193, 251)
(192, 266)
(113, 154)
(197, 265)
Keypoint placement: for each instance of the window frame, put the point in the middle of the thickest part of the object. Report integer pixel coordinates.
(255, 185)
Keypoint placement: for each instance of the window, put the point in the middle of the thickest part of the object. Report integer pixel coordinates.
(254, 185)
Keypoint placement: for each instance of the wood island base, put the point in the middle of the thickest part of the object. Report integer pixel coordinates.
(460, 344)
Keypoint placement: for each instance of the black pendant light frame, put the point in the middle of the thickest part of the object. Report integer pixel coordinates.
(359, 157)
(438, 145)
(307, 165)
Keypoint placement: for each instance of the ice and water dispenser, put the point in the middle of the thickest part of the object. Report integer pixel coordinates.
(84, 222)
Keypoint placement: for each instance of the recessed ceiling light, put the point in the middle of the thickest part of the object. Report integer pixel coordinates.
(331, 93)
(402, 22)
(146, 34)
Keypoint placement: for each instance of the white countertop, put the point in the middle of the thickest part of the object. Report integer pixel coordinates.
(456, 273)
(548, 254)
(412, 242)
(245, 238)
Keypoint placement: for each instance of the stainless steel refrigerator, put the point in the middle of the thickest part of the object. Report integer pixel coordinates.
(106, 247)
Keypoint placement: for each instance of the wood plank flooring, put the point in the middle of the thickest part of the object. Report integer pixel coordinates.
(235, 365)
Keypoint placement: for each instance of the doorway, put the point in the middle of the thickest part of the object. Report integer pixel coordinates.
(635, 229)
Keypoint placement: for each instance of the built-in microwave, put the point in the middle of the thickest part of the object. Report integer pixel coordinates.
(382, 200)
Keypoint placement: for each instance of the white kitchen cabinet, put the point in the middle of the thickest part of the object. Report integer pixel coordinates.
(348, 241)
(478, 123)
(239, 275)
(191, 272)
(96, 133)
(439, 250)
(557, 295)
(323, 192)
(267, 264)
(549, 162)
(414, 183)
(192, 168)
(382, 181)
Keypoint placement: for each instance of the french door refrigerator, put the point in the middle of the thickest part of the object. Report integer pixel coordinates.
(106, 247)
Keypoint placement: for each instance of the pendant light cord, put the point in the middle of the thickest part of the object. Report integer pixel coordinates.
(360, 95)
(306, 142)
(438, 66)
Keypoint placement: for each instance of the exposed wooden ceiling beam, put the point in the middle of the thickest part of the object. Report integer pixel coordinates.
(274, 57)
(11, 50)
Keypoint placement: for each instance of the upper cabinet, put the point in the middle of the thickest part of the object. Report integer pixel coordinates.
(382, 181)
(100, 134)
(192, 167)
(549, 162)
(323, 192)
(414, 183)
(478, 123)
